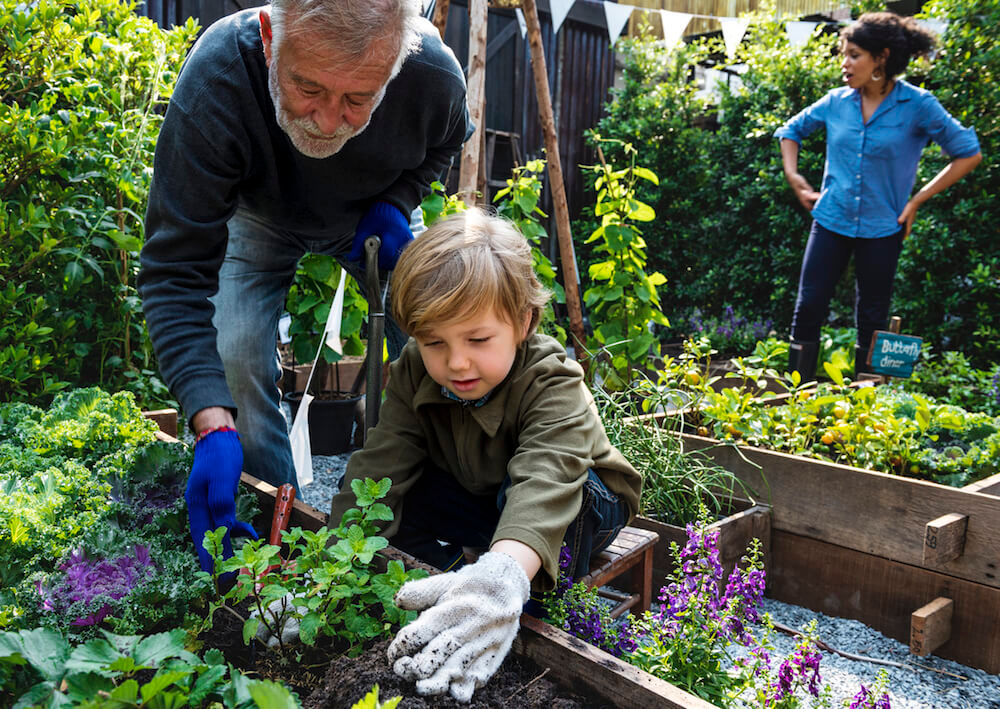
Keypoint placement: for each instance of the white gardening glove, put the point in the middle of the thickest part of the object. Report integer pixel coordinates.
(468, 623)
(279, 613)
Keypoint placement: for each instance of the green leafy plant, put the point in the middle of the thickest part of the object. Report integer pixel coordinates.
(309, 300)
(518, 201)
(93, 524)
(327, 587)
(82, 88)
(623, 299)
(40, 667)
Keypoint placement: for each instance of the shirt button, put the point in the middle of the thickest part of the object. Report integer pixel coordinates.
(856, 199)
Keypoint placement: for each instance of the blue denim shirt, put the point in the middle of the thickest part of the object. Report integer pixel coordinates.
(871, 167)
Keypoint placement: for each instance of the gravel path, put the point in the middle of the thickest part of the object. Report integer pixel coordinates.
(918, 686)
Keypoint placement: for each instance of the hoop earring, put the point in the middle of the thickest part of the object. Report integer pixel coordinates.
(876, 77)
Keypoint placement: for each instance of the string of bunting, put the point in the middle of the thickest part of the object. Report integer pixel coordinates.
(674, 24)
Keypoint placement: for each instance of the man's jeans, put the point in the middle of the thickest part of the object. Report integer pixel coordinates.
(253, 285)
(438, 508)
(826, 257)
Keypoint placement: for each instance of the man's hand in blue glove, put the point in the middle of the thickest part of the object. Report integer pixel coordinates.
(389, 224)
(211, 491)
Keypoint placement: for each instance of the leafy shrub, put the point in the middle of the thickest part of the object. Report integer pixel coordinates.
(951, 378)
(81, 83)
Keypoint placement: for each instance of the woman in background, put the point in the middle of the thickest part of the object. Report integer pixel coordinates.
(876, 126)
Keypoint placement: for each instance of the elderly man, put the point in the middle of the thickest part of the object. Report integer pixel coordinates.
(303, 126)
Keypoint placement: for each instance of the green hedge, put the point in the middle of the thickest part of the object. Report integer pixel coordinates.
(82, 85)
(729, 230)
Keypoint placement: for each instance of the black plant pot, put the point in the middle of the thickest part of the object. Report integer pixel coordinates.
(331, 420)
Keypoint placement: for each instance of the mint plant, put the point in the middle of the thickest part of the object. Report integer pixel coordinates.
(326, 585)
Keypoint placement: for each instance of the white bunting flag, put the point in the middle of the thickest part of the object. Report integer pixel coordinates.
(331, 333)
(521, 21)
(616, 16)
(799, 32)
(733, 29)
(559, 10)
(674, 24)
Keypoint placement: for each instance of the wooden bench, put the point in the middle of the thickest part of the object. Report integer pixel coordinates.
(631, 552)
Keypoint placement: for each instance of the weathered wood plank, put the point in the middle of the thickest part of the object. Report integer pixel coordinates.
(987, 486)
(930, 626)
(165, 419)
(944, 539)
(574, 663)
(847, 583)
(872, 512)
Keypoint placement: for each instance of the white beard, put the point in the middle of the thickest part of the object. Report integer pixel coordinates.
(305, 135)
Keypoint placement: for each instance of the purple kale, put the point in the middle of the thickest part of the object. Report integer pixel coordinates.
(86, 581)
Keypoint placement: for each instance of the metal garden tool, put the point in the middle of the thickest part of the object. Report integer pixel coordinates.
(376, 295)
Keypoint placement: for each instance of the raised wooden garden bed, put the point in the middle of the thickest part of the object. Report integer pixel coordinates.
(569, 661)
(880, 548)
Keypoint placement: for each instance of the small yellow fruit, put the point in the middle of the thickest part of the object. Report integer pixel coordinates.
(827, 438)
(692, 377)
(839, 411)
(702, 431)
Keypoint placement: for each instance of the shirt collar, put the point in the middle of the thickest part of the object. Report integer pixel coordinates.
(467, 402)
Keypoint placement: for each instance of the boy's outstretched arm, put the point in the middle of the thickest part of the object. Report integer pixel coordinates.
(467, 623)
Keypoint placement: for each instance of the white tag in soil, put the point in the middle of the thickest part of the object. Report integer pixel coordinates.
(299, 435)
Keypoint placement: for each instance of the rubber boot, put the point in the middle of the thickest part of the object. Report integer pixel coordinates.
(802, 357)
(861, 365)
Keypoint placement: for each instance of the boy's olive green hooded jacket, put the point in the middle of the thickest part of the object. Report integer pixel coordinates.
(539, 426)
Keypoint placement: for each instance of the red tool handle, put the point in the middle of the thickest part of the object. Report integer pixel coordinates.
(283, 501)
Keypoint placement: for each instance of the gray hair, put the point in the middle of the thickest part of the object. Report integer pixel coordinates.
(352, 27)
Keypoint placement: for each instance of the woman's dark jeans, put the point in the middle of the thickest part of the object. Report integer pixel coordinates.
(437, 509)
(825, 260)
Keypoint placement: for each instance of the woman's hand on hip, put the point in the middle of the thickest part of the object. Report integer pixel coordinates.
(804, 192)
(907, 217)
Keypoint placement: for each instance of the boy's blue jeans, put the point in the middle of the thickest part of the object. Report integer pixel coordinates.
(438, 508)
(253, 285)
(826, 257)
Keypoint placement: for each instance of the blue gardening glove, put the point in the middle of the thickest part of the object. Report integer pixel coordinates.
(390, 225)
(211, 492)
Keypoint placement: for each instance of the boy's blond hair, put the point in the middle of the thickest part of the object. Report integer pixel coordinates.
(465, 264)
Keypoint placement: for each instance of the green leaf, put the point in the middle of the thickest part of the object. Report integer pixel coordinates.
(161, 681)
(271, 695)
(250, 628)
(646, 174)
(155, 649)
(46, 651)
(309, 626)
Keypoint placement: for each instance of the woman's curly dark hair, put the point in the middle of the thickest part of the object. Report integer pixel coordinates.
(902, 36)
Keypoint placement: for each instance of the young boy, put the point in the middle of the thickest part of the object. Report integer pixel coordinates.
(492, 441)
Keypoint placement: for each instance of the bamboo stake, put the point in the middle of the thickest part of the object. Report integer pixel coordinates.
(565, 238)
(468, 176)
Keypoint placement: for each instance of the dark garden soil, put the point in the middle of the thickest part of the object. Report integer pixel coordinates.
(322, 684)
(519, 683)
